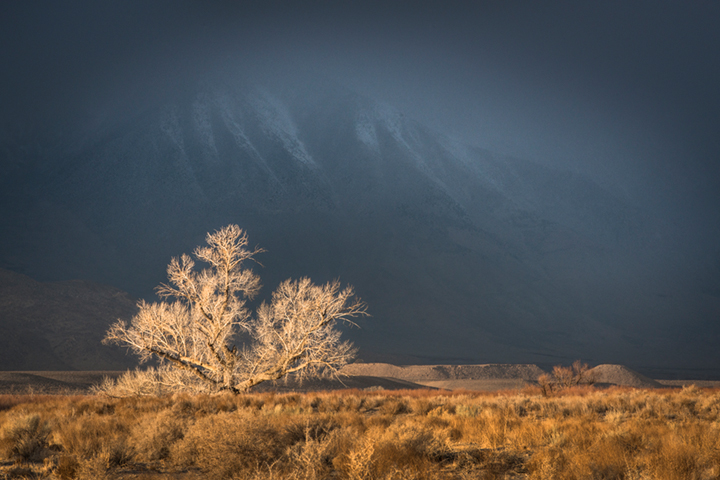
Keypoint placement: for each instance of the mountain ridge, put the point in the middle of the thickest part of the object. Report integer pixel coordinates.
(457, 251)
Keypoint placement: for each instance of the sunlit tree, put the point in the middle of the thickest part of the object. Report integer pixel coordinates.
(206, 339)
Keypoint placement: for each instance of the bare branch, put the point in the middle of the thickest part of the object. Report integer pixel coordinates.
(294, 334)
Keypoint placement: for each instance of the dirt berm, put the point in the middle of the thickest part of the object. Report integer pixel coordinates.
(622, 376)
(496, 376)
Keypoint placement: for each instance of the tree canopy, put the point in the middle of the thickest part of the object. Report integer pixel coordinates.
(206, 338)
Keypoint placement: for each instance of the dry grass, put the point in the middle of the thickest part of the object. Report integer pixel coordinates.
(578, 434)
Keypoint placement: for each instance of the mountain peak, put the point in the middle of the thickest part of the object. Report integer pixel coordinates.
(458, 251)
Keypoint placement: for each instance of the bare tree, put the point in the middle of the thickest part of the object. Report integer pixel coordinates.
(193, 333)
(566, 377)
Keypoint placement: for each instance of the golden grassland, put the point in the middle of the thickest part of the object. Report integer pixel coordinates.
(581, 433)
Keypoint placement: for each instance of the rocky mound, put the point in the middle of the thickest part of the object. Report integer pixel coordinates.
(434, 373)
(623, 376)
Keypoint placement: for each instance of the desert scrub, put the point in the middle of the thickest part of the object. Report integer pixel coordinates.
(24, 438)
(575, 434)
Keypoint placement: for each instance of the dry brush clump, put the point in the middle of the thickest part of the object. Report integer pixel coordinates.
(594, 434)
(563, 378)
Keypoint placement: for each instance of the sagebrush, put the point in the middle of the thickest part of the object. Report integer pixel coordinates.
(576, 434)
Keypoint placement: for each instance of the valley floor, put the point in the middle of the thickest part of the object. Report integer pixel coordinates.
(80, 383)
(582, 433)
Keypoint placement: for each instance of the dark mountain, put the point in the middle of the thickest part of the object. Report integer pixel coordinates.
(59, 325)
(461, 254)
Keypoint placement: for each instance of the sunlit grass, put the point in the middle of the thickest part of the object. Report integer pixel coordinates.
(578, 434)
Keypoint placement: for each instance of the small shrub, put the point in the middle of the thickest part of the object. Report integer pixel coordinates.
(395, 406)
(25, 439)
(356, 462)
(67, 467)
(154, 438)
(96, 436)
(227, 444)
(565, 378)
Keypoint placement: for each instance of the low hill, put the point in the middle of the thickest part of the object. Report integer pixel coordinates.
(453, 377)
(491, 376)
(59, 325)
(493, 371)
(622, 376)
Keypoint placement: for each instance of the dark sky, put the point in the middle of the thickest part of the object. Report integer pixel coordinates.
(627, 92)
(624, 92)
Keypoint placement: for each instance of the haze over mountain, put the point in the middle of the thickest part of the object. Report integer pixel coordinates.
(501, 182)
(463, 255)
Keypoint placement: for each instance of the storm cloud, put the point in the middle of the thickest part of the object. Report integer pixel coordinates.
(621, 94)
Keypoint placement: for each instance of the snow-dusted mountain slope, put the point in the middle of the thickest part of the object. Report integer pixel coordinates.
(461, 254)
